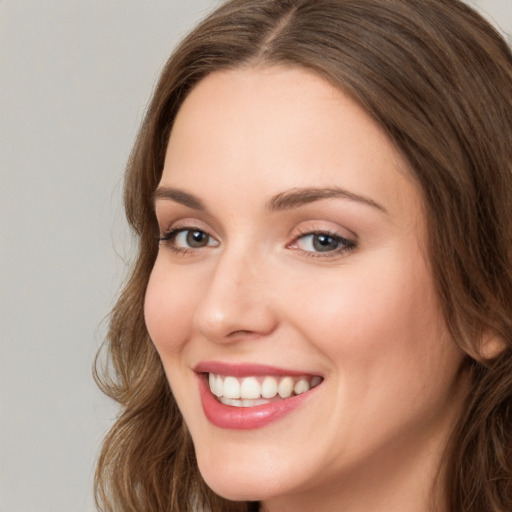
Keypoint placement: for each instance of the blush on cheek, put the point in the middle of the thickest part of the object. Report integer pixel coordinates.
(166, 322)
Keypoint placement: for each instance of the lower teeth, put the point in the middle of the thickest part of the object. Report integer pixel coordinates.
(244, 402)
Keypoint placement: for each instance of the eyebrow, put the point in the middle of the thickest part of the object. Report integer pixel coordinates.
(179, 196)
(301, 196)
(283, 201)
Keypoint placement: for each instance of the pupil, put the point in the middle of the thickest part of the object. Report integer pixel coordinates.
(323, 243)
(197, 238)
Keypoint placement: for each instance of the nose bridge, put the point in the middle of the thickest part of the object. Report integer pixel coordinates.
(236, 297)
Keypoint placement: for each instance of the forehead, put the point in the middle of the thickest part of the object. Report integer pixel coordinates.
(266, 129)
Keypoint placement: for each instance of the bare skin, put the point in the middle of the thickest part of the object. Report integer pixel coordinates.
(309, 254)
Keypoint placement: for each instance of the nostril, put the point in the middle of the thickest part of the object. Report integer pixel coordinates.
(233, 321)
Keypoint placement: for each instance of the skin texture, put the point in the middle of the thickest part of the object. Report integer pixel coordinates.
(364, 317)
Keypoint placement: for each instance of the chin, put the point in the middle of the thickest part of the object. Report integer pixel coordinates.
(236, 488)
(243, 482)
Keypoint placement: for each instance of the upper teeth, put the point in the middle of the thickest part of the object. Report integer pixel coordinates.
(260, 387)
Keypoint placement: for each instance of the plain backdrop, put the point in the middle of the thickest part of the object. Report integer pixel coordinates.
(75, 78)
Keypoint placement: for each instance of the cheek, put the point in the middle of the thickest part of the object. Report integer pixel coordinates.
(168, 310)
(385, 321)
(363, 309)
(393, 362)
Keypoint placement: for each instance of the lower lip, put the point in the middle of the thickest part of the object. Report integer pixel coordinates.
(246, 418)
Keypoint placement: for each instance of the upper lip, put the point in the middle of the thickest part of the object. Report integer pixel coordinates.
(246, 369)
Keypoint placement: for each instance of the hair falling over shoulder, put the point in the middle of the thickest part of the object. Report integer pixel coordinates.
(438, 79)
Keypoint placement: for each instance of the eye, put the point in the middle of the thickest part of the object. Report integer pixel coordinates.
(193, 238)
(185, 239)
(322, 242)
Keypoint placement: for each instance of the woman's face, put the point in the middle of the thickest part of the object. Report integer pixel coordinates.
(293, 261)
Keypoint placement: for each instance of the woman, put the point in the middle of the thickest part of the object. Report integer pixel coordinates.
(319, 317)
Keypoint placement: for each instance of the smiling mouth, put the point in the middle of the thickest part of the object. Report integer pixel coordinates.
(258, 390)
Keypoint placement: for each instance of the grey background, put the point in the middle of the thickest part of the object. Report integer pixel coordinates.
(75, 77)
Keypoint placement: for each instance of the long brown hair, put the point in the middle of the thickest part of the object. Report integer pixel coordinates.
(438, 78)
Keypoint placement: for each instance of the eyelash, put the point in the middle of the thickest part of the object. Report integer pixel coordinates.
(346, 245)
(168, 238)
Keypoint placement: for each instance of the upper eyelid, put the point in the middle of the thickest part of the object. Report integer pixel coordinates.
(166, 211)
(167, 220)
(183, 223)
(174, 230)
(317, 227)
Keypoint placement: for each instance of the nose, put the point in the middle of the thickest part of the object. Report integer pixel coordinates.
(237, 300)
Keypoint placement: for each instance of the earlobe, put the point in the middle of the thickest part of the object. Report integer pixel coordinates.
(491, 346)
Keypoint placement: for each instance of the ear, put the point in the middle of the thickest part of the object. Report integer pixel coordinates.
(491, 346)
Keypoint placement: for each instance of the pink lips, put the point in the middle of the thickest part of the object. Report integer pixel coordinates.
(245, 418)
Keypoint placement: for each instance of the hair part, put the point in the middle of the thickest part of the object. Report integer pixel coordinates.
(438, 78)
